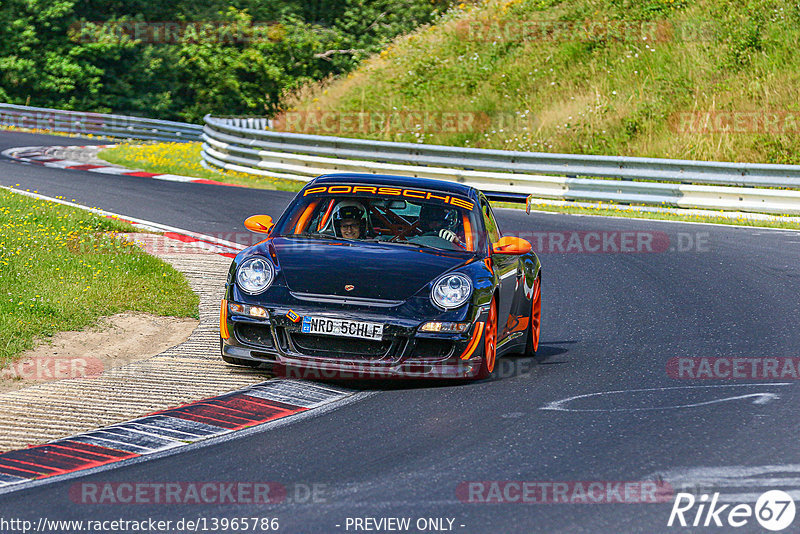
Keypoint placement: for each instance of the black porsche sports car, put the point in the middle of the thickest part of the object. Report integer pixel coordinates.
(381, 276)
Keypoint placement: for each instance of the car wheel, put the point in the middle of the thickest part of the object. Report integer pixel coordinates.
(489, 343)
(535, 327)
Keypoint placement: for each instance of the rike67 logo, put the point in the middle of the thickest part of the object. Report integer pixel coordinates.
(774, 510)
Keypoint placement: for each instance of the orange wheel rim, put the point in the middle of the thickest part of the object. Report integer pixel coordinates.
(491, 338)
(536, 313)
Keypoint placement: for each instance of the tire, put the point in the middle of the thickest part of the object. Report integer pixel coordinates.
(535, 326)
(489, 343)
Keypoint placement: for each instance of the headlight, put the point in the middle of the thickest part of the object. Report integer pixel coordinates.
(451, 291)
(253, 311)
(255, 275)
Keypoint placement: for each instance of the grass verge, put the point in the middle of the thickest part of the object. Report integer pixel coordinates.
(62, 269)
(711, 80)
(184, 159)
(611, 211)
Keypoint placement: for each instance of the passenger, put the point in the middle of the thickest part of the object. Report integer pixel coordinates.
(349, 221)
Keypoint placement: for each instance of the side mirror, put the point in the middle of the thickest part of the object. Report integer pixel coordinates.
(511, 245)
(260, 224)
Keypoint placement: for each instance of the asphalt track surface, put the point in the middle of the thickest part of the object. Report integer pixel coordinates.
(611, 321)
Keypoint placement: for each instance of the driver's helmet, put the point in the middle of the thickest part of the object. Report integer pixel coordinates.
(349, 209)
(432, 217)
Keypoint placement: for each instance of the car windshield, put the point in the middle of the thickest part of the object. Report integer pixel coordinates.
(428, 220)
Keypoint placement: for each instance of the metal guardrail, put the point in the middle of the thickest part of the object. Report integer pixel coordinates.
(245, 145)
(119, 126)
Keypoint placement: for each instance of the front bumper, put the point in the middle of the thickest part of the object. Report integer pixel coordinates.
(404, 352)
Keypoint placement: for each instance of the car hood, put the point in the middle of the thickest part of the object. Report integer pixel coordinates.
(375, 271)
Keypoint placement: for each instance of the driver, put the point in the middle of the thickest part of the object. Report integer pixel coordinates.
(438, 221)
(349, 221)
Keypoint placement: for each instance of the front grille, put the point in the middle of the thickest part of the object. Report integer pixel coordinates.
(333, 347)
(254, 334)
(433, 349)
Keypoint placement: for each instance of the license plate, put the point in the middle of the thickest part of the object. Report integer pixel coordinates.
(341, 327)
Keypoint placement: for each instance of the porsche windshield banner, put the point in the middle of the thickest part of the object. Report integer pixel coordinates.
(389, 191)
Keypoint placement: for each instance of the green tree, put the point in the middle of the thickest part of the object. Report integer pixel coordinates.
(71, 54)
